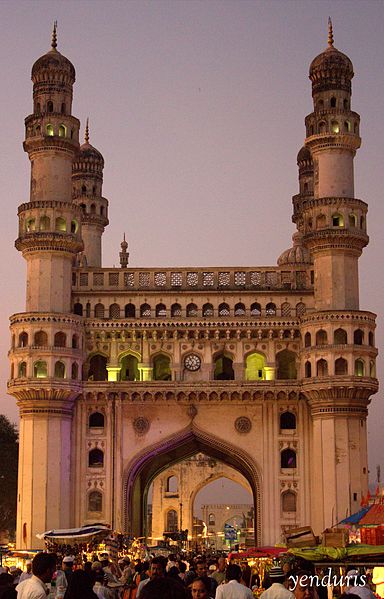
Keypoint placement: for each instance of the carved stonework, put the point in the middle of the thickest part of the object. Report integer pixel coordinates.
(243, 424)
(141, 425)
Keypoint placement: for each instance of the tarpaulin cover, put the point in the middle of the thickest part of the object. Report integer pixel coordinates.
(84, 532)
(316, 554)
(357, 516)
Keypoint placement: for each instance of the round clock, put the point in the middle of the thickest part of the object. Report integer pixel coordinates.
(192, 362)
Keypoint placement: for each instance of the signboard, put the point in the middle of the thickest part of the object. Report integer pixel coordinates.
(230, 533)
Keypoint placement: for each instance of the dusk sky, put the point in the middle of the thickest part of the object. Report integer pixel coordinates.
(198, 108)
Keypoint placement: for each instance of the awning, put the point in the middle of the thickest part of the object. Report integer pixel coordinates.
(74, 534)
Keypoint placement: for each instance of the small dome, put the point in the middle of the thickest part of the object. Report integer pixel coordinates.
(304, 155)
(53, 61)
(331, 69)
(88, 151)
(297, 254)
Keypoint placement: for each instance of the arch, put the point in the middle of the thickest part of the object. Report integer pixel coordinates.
(288, 458)
(171, 484)
(38, 108)
(337, 220)
(286, 309)
(44, 223)
(114, 311)
(208, 310)
(49, 106)
(162, 368)
(88, 310)
(255, 367)
(74, 371)
(359, 367)
(129, 370)
(145, 310)
(223, 368)
(84, 190)
(322, 367)
(40, 369)
(341, 366)
(83, 208)
(96, 458)
(300, 309)
(288, 501)
(60, 339)
(333, 102)
(30, 225)
(63, 108)
(239, 309)
(340, 337)
(372, 369)
(308, 369)
(321, 221)
(22, 370)
(175, 310)
(59, 370)
(322, 127)
(345, 104)
(75, 341)
(287, 421)
(171, 521)
(192, 310)
(49, 130)
(255, 309)
(62, 131)
(286, 365)
(270, 309)
(358, 337)
(96, 420)
(95, 501)
(93, 209)
(99, 310)
(78, 309)
(130, 310)
(371, 339)
(142, 469)
(161, 311)
(321, 337)
(98, 368)
(335, 127)
(23, 339)
(307, 340)
(211, 520)
(320, 104)
(40, 338)
(74, 226)
(60, 224)
(224, 309)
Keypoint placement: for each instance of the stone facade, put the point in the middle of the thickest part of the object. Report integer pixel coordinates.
(119, 373)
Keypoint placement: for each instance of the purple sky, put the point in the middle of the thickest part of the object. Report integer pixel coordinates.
(198, 108)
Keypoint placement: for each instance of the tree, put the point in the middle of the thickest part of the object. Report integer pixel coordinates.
(9, 450)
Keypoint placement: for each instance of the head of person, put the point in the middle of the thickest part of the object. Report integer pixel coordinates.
(157, 568)
(174, 572)
(28, 565)
(182, 566)
(221, 564)
(163, 588)
(44, 565)
(80, 585)
(199, 589)
(68, 562)
(201, 568)
(303, 588)
(6, 580)
(276, 574)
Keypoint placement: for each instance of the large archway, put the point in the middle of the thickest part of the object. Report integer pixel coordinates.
(142, 470)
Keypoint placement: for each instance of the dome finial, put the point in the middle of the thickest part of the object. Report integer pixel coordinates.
(86, 138)
(54, 36)
(330, 32)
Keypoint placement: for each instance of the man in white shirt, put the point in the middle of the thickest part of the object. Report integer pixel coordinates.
(28, 573)
(233, 589)
(277, 589)
(43, 567)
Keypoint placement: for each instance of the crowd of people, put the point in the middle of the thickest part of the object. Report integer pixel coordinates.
(160, 578)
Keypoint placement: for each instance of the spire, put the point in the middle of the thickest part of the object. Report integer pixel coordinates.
(86, 138)
(330, 32)
(54, 36)
(124, 255)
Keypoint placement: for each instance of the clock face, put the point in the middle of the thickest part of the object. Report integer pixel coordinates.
(192, 362)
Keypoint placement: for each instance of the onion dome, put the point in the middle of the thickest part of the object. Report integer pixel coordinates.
(304, 155)
(53, 65)
(87, 151)
(331, 69)
(297, 254)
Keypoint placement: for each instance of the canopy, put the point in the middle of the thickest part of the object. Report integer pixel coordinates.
(357, 516)
(320, 553)
(258, 552)
(76, 534)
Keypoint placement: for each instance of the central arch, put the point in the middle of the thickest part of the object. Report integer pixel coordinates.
(148, 464)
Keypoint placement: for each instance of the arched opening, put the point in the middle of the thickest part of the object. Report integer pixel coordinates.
(98, 368)
(130, 311)
(340, 337)
(307, 340)
(286, 309)
(40, 339)
(93, 208)
(84, 190)
(74, 226)
(322, 127)
(45, 223)
(288, 458)
(96, 420)
(255, 367)
(371, 339)
(161, 310)
(49, 106)
(23, 370)
(171, 486)
(208, 310)
(223, 368)
(60, 339)
(211, 520)
(359, 368)
(321, 221)
(129, 368)
(239, 309)
(60, 224)
(30, 225)
(99, 311)
(114, 311)
(50, 131)
(95, 501)
(145, 311)
(308, 369)
(270, 309)
(96, 458)
(335, 127)
(162, 368)
(321, 337)
(23, 339)
(175, 310)
(171, 524)
(287, 421)
(78, 309)
(286, 365)
(40, 370)
(288, 502)
(341, 366)
(63, 109)
(300, 309)
(59, 370)
(75, 341)
(224, 309)
(337, 220)
(322, 367)
(255, 309)
(358, 337)
(372, 369)
(333, 102)
(192, 310)
(74, 371)
(62, 131)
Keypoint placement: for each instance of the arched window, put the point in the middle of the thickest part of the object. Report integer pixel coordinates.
(30, 225)
(288, 458)
(88, 310)
(62, 131)
(321, 337)
(358, 337)
(322, 367)
(239, 309)
(84, 190)
(172, 525)
(60, 339)
(63, 109)
(335, 127)
(74, 226)
(347, 126)
(40, 370)
(337, 220)
(130, 311)
(255, 309)
(308, 369)
(372, 369)
(287, 421)
(23, 339)
(50, 131)
(162, 368)
(98, 368)
(254, 367)
(96, 420)
(83, 208)
(78, 309)
(341, 366)
(75, 342)
(288, 501)
(59, 370)
(300, 309)
(286, 309)
(74, 371)
(49, 106)
(286, 365)
(145, 310)
(322, 127)
(96, 458)
(22, 370)
(94, 192)
(93, 208)
(345, 104)
(223, 369)
(114, 311)
(175, 310)
(208, 310)
(371, 339)
(161, 311)
(333, 102)
(211, 520)
(192, 310)
(321, 221)
(340, 337)
(359, 368)
(40, 339)
(129, 368)
(224, 310)
(320, 105)
(270, 309)
(99, 311)
(38, 108)
(45, 223)
(172, 486)
(60, 224)
(307, 340)
(95, 501)
(362, 222)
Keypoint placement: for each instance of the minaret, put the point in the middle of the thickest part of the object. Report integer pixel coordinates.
(46, 353)
(124, 255)
(87, 180)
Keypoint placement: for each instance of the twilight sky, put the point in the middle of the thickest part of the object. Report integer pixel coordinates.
(198, 108)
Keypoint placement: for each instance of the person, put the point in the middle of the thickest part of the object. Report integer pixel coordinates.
(28, 573)
(199, 589)
(7, 588)
(277, 589)
(246, 573)
(303, 588)
(80, 586)
(233, 589)
(43, 567)
(157, 571)
(100, 587)
(68, 562)
(219, 573)
(357, 586)
(163, 588)
(202, 572)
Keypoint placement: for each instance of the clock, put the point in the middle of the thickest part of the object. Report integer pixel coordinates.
(192, 362)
